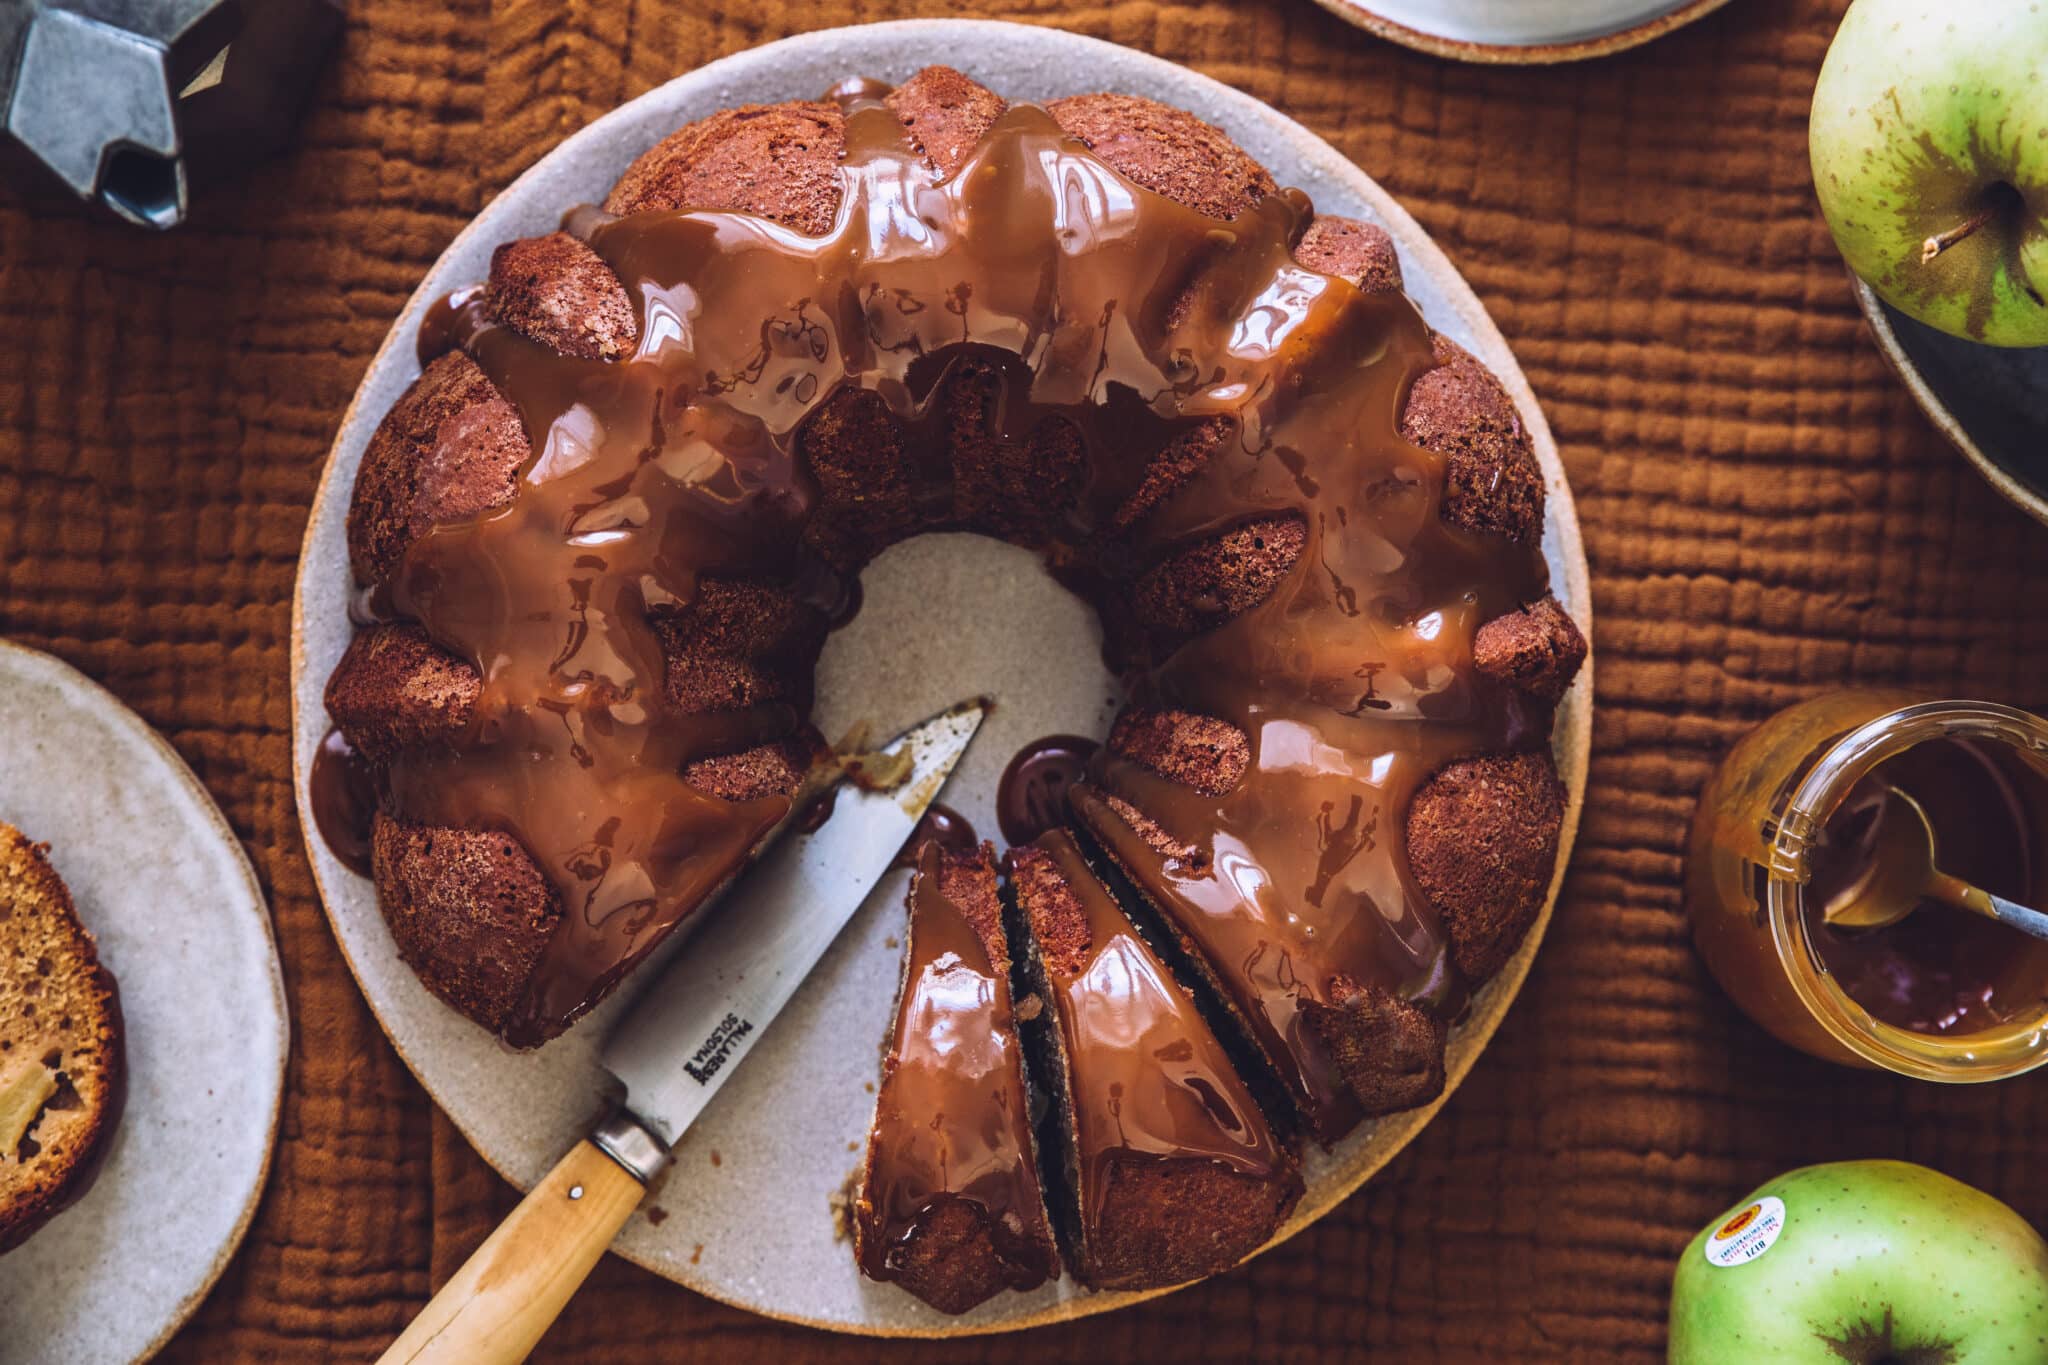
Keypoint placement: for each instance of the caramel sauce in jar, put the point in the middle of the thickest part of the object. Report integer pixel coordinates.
(1788, 822)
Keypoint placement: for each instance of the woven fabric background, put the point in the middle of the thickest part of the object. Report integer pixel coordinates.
(1766, 513)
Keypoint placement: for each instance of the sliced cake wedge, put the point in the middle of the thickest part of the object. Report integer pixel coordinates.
(949, 1204)
(61, 1064)
(1172, 1170)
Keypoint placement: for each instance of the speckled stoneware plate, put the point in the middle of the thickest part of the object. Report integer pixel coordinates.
(1520, 32)
(745, 1214)
(162, 882)
(1990, 401)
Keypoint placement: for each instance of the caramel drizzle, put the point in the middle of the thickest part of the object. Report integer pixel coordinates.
(952, 1121)
(1103, 305)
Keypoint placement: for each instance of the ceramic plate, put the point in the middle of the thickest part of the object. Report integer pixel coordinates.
(1991, 402)
(1520, 31)
(745, 1214)
(160, 880)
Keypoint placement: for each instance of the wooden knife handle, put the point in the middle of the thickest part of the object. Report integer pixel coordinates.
(513, 1287)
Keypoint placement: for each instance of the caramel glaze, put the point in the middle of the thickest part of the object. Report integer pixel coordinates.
(1146, 1079)
(952, 1122)
(343, 787)
(1031, 796)
(1102, 305)
(942, 825)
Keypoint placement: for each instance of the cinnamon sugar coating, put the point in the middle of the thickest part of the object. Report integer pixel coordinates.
(777, 160)
(451, 447)
(1360, 252)
(1482, 841)
(1538, 649)
(396, 689)
(469, 910)
(945, 114)
(1225, 576)
(560, 293)
(1492, 482)
(1169, 151)
(1389, 1051)
(738, 644)
(1196, 751)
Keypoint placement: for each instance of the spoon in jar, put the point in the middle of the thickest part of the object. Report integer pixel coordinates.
(1902, 875)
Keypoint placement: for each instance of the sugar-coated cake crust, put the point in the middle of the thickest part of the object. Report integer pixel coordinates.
(951, 1262)
(1362, 253)
(776, 160)
(1209, 583)
(557, 291)
(1538, 649)
(944, 114)
(1167, 150)
(1202, 752)
(469, 910)
(396, 689)
(452, 448)
(1492, 482)
(1482, 841)
(59, 1011)
(1389, 1051)
(739, 644)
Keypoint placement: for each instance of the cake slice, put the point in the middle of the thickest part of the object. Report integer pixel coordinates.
(949, 1205)
(60, 1044)
(1172, 1171)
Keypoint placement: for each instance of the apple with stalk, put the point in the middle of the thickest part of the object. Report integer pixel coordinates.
(1929, 139)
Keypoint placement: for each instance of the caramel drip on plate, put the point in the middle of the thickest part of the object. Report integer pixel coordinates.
(952, 1121)
(1146, 1075)
(1099, 304)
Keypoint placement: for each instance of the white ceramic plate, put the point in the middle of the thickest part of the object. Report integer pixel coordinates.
(1520, 31)
(161, 881)
(745, 1214)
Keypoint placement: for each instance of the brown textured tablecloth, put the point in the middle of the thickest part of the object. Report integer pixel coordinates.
(1766, 514)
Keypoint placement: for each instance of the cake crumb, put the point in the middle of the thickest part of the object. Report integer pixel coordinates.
(1029, 1008)
(841, 1202)
(657, 1215)
(871, 770)
(696, 1253)
(869, 1085)
(716, 1159)
(890, 942)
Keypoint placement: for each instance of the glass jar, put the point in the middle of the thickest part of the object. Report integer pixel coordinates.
(1750, 859)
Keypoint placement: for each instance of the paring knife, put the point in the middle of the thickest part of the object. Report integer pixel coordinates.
(680, 1041)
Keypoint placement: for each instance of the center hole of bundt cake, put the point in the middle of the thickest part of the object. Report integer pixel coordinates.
(948, 616)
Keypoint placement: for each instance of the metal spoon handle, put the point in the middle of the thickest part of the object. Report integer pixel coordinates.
(1961, 894)
(2018, 916)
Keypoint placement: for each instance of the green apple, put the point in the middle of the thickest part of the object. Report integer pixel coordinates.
(1874, 1262)
(1930, 152)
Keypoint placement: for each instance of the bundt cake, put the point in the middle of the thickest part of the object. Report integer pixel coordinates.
(949, 1205)
(601, 536)
(61, 1057)
(1171, 1170)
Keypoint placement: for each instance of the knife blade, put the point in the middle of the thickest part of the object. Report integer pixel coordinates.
(680, 1041)
(685, 1035)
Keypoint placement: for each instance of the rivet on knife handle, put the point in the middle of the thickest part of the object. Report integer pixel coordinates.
(511, 1289)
